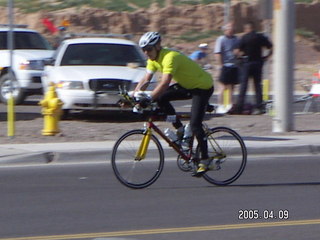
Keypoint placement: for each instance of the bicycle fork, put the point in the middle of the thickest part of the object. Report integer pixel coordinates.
(142, 151)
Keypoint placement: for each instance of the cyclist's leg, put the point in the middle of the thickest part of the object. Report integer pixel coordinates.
(200, 100)
(174, 92)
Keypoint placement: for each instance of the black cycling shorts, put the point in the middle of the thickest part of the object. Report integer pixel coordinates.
(229, 75)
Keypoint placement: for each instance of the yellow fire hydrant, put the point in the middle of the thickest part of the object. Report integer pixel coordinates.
(51, 109)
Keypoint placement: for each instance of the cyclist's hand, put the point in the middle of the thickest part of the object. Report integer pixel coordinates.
(144, 102)
(131, 94)
(140, 94)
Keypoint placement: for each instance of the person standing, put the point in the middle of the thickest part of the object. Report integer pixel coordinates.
(250, 51)
(224, 52)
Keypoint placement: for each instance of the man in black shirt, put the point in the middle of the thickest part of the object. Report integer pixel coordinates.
(250, 50)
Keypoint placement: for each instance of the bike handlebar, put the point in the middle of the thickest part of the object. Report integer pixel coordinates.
(134, 102)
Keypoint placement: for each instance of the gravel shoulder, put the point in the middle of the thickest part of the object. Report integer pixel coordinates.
(87, 127)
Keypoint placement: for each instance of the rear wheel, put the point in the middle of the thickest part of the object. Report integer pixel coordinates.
(5, 90)
(132, 172)
(229, 154)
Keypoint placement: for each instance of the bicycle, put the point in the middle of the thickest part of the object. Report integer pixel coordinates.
(138, 156)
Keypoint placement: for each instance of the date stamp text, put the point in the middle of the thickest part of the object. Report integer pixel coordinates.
(255, 214)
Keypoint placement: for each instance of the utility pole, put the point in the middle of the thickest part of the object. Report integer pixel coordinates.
(266, 14)
(227, 7)
(10, 36)
(283, 66)
(10, 104)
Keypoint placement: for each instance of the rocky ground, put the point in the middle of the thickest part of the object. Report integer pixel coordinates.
(169, 21)
(109, 126)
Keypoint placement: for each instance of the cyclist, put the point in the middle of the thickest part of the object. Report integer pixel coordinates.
(200, 55)
(191, 82)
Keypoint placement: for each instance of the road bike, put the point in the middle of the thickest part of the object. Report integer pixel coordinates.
(138, 156)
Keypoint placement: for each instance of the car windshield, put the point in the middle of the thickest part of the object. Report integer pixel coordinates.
(25, 40)
(102, 54)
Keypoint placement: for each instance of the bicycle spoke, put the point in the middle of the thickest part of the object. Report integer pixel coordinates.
(229, 155)
(137, 173)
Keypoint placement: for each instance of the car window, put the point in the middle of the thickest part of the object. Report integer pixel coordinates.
(25, 40)
(101, 54)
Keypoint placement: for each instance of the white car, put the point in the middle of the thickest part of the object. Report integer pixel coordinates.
(30, 48)
(88, 72)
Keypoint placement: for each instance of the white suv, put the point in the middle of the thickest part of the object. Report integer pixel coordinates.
(30, 49)
(89, 72)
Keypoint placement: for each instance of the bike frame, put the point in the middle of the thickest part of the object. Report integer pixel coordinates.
(187, 159)
(142, 151)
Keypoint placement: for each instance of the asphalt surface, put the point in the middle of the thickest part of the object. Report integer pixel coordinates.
(63, 187)
(85, 201)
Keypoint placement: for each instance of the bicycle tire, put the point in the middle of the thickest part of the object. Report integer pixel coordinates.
(133, 173)
(233, 163)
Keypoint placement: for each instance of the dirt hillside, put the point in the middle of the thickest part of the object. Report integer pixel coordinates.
(170, 20)
(176, 21)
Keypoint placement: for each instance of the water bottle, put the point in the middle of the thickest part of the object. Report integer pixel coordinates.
(187, 131)
(170, 134)
(187, 135)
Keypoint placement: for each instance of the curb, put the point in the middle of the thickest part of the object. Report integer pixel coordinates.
(46, 157)
(285, 150)
(99, 155)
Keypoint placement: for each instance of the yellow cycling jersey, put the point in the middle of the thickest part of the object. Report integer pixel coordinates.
(185, 71)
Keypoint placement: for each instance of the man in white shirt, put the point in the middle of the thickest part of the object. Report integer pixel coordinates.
(224, 51)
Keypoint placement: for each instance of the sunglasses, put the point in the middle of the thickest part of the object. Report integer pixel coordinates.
(147, 48)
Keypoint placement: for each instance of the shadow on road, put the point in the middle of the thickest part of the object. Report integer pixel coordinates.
(31, 103)
(293, 184)
(121, 116)
(31, 110)
(105, 116)
(308, 131)
(276, 184)
(20, 116)
(264, 139)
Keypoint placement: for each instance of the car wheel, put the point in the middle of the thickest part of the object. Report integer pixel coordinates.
(5, 88)
(65, 114)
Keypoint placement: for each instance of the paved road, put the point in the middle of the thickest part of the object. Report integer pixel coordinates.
(84, 201)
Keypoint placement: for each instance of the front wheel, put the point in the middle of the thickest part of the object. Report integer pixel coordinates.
(229, 154)
(130, 171)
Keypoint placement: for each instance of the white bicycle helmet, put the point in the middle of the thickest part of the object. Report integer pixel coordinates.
(149, 39)
(203, 45)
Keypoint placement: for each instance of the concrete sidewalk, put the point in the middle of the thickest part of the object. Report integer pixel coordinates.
(101, 151)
